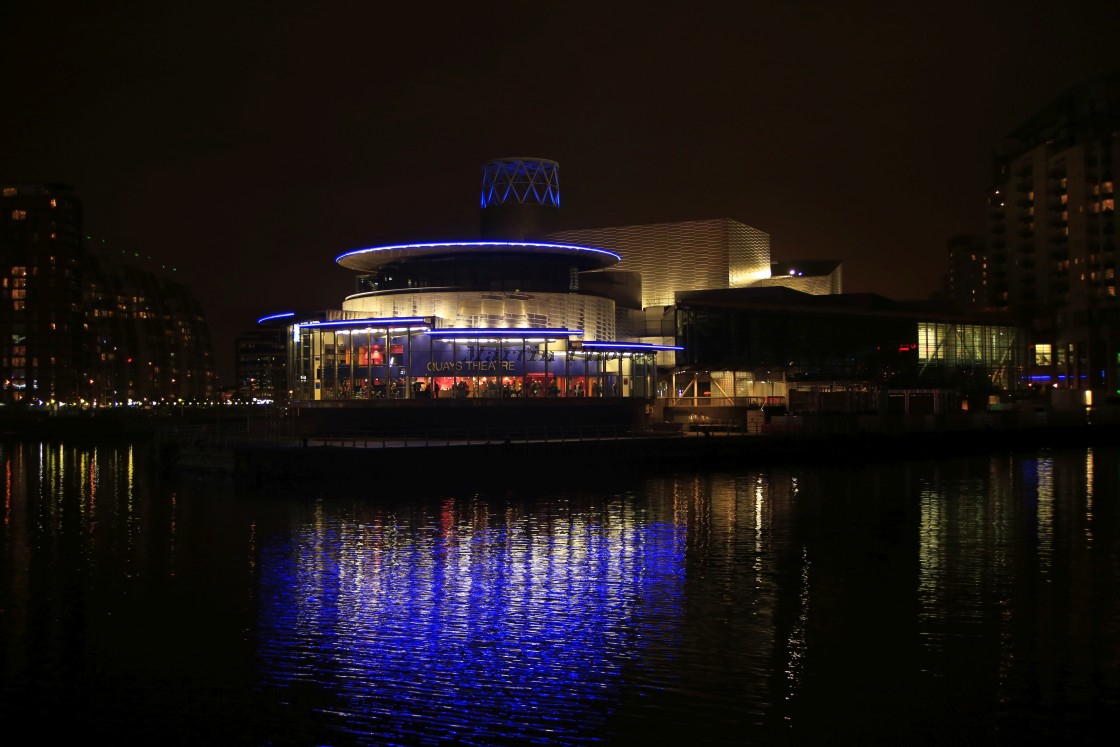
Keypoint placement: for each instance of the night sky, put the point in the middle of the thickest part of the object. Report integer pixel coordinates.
(248, 144)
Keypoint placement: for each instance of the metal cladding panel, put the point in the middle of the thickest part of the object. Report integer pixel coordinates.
(748, 254)
(816, 285)
(497, 309)
(689, 255)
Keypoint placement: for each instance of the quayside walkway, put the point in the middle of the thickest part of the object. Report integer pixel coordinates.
(436, 455)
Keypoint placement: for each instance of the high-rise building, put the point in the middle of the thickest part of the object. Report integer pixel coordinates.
(77, 327)
(149, 335)
(261, 359)
(967, 283)
(44, 353)
(1052, 234)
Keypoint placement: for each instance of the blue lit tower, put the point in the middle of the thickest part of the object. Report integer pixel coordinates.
(520, 198)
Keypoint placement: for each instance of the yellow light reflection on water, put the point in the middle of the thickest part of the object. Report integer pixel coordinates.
(1089, 496)
(1045, 515)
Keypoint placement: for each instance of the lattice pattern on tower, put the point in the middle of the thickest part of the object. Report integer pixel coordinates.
(522, 181)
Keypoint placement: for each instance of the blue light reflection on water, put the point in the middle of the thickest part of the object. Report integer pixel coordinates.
(504, 627)
(969, 600)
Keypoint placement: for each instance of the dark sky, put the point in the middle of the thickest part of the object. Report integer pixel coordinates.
(248, 144)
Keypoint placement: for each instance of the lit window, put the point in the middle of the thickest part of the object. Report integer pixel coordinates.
(9, 191)
(19, 215)
(1106, 186)
(54, 202)
(1042, 354)
(1108, 205)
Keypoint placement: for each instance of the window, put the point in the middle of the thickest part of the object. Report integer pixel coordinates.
(10, 191)
(19, 215)
(1043, 356)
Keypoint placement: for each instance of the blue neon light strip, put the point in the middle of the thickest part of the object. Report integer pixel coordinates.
(630, 346)
(387, 322)
(467, 244)
(270, 317)
(506, 332)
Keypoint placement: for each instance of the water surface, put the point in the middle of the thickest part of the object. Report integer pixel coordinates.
(972, 600)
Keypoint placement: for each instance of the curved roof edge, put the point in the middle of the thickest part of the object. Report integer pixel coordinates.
(370, 258)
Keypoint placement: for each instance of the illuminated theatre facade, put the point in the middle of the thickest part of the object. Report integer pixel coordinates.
(492, 318)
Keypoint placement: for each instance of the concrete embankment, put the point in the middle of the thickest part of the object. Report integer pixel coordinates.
(382, 461)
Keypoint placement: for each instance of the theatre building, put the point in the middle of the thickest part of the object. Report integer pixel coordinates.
(501, 317)
(689, 313)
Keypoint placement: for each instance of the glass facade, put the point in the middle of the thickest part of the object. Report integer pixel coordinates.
(409, 358)
(885, 349)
